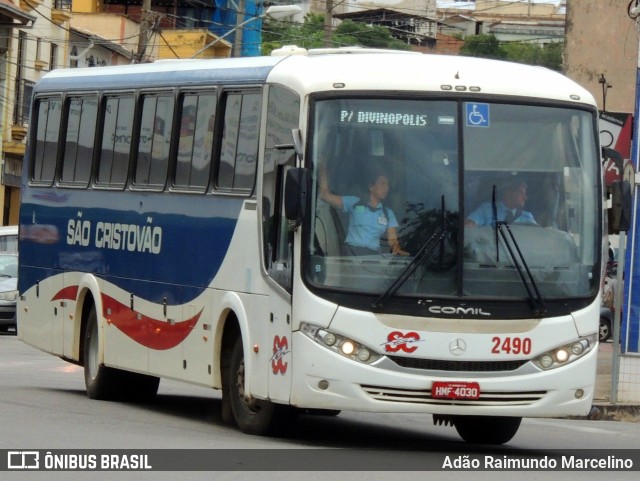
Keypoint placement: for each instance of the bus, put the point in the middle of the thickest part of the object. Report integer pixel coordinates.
(174, 224)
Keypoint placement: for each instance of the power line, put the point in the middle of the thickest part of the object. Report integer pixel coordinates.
(158, 17)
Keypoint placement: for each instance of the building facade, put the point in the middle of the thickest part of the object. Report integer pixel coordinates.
(32, 49)
(601, 51)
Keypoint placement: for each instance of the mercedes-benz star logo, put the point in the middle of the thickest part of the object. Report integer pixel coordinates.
(457, 346)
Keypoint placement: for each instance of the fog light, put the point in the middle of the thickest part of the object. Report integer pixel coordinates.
(579, 393)
(562, 355)
(347, 348)
(324, 384)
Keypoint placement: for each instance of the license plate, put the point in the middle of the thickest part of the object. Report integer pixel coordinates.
(455, 390)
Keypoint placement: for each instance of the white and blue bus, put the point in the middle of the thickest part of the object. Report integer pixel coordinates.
(200, 221)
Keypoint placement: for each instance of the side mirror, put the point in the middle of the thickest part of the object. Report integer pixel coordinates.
(620, 190)
(296, 190)
(620, 213)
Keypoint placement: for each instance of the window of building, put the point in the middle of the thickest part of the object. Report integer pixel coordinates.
(53, 57)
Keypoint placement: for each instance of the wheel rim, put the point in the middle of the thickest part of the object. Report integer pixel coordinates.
(250, 404)
(604, 330)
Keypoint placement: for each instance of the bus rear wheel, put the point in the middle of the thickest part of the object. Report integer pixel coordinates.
(252, 415)
(106, 383)
(487, 429)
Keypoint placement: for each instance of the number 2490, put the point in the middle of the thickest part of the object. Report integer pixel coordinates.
(511, 345)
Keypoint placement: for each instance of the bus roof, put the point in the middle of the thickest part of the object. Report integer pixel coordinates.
(335, 70)
(180, 72)
(324, 70)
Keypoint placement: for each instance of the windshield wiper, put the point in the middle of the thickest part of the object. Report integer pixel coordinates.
(502, 228)
(426, 252)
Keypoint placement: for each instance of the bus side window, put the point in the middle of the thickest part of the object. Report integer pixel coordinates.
(240, 137)
(78, 146)
(113, 164)
(195, 142)
(45, 158)
(154, 141)
(283, 113)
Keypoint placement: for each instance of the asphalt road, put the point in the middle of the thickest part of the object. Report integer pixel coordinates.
(44, 407)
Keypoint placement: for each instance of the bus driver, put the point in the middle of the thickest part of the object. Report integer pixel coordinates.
(509, 209)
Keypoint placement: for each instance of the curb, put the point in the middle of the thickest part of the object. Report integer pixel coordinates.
(614, 412)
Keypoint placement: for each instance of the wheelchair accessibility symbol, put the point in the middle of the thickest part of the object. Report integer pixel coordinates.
(477, 114)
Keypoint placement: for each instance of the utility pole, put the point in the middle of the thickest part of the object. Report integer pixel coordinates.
(237, 44)
(328, 24)
(605, 86)
(145, 25)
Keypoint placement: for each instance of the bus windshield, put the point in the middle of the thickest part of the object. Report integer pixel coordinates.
(454, 198)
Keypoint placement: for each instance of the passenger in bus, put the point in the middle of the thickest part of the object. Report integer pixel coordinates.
(369, 219)
(509, 209)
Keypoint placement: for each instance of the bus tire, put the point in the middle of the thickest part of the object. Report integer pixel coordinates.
(487, 429)
(98, 379)
(106, 383)
(139, 388)
(253, 416)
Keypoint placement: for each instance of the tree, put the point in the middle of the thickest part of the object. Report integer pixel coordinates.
(552, 54)
(485, 46)
(277, 34)
(310, 34)
(374, 36)
(488, 46)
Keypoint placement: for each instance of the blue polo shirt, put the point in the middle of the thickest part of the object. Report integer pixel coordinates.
(483, 215)
(367, 224)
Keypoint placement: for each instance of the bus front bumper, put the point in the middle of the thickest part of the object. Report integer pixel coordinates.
(323, 379)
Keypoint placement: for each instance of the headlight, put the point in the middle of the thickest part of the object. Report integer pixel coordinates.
(566, 354)
(339, 344)
(9, 296)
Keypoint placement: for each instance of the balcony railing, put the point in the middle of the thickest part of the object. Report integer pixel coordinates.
(12, 171)
(61, 11)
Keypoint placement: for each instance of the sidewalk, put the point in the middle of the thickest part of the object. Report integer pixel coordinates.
(602, 407)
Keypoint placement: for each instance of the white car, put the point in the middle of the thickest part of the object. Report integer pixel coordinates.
(8, 291)
(9, 238)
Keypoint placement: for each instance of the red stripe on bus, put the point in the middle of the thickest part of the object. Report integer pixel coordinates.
(68, 293)
(151, 333)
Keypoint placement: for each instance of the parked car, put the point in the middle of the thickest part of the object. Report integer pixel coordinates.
(8, 291)
(606, 323)
(9, 238)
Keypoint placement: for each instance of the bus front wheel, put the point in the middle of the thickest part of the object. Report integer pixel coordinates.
(253, 416)
(487, 429)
